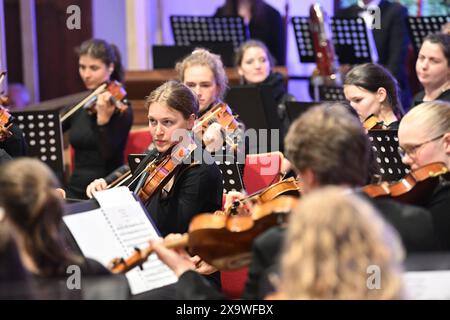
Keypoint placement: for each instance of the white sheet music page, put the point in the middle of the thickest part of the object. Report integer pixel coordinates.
(114, 231)
(427, 285)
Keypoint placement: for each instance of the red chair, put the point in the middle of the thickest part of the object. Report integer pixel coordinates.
(138, 142)
(261, 170)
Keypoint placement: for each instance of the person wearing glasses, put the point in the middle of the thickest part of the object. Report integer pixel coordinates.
(424, 137)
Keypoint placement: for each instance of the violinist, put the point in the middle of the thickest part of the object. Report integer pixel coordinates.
(424, 137)
(326, 146)
(373, 91)
(99, 133)
(433, 69)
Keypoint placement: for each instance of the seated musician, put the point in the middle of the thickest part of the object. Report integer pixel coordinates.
(326, 146)
(424, 137)
(373, 91)
(12, 141)
(204, 73)
(33, 217)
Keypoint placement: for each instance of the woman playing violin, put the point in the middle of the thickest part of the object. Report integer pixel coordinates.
(373, 91)
(424, 137)
(98, 135)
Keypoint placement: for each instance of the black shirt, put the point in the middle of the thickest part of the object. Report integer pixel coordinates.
(98, 149)
(418, 98)
(15, 145)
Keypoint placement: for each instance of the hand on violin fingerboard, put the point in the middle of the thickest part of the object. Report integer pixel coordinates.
(202, 267)
(105, 109)
(243, 209)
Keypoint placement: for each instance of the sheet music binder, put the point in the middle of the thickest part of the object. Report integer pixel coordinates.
(107, 232)
(195, 30)
(420, 27)
(385, 146)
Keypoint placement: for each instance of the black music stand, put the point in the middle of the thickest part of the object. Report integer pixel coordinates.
(351, 40)
(303, 39)
(257, 109)
(330, 93)
(165, 57)
(295, 109)
(232, 173)
(201, 30)
(385, 145)
(420, 27)
(42, 130)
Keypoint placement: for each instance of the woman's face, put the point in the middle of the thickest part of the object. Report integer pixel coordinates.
(363, 101)
(432, 67)
(93, 71)
(164, 123)
(255, 65)
(200, 79)
(420, 147)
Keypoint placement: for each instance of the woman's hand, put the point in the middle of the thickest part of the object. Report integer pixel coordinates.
(178, 260)
(213, 137)
(105, 109)
(201, 266)
(96, 185)
(244, 208)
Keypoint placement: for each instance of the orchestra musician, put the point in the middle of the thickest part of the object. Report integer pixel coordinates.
(98, 134)
(433, 68)
(33, 218)
(327, 146)
(424, 137)
(373, 91)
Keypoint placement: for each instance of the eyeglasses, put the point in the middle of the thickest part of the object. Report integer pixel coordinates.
(412, 151)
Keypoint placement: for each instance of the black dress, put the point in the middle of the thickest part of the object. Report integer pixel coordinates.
(98, 149)
(418, 98)
(265, 25)
(15, 146)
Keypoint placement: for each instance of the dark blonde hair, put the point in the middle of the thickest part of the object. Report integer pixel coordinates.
(330, 141)
(443, 40)
(175, 95)
(332, 245)
(202, 57)
(34, 208)
(252, 44)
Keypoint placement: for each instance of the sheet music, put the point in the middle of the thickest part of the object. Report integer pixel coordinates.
(114, 231)
(427, 285)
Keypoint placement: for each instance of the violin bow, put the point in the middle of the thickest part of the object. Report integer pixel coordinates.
(97, 91)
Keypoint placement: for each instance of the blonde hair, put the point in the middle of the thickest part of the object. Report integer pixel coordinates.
(202, 57)
(432, 117)
(331, 244)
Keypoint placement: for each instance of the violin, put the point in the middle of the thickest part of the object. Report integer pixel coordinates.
(162, 171)
(209, 237)
(373, 123)
(290, 186)
(5, 117)
(418, 185)
(221, 114)
(117, 93)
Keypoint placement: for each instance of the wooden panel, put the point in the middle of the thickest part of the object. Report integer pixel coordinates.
(139, 84)
(13, 41)
(58, 63)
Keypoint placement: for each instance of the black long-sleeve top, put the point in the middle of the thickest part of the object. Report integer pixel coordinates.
(98, 149)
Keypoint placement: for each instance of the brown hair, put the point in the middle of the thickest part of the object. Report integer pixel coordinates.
(330, 141)
(177, 96)
(35, 210)
(202, 57)
(333, 247)
(443, 40)
(107, 53)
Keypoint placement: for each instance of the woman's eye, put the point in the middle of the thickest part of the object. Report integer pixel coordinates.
(167, 123)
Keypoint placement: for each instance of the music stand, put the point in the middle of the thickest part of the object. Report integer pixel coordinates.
(295, 109)
(330, 93)
(42, 130)
(257, 109)
(232, 173)
(351, 40)
(420, 27)
(385, 145)
(198, 30)
(303, 39)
